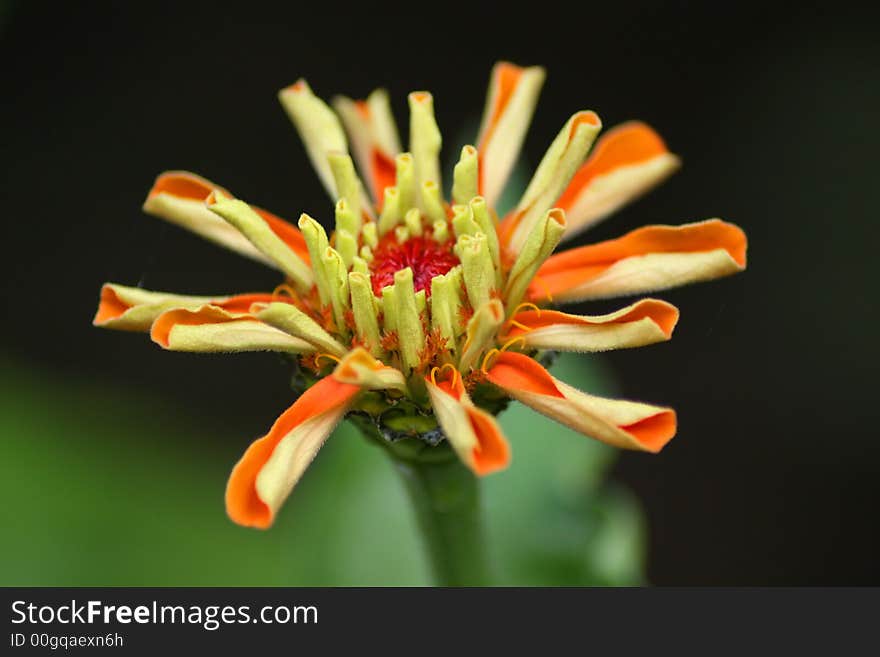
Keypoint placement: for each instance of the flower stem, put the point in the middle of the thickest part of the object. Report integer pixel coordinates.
(445, 496)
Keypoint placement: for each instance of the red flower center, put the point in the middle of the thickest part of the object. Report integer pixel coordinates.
(424, 255)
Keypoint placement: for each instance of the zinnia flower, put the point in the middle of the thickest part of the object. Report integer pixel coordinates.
(420, 314)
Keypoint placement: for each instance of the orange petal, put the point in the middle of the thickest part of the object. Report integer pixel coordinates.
(272, 465)
(513, 94)
(473, 433)
(625, 163)
(374, 139)
(644, 322)
(560, 163)
(624, 424)
(492, 452)
(647, 259)
(134, 309)
(179, 196)
(215, 329)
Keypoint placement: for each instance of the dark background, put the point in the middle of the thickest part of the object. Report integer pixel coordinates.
(773, 478)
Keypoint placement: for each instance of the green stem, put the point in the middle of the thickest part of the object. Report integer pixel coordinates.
(446, 500)
(445, 496)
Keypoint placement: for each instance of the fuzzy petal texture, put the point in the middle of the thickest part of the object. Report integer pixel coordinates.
(510, 104)
(473, 433)
(179, 197)
(645, 260)
(625, 163)
(270, 468)
(134, 309)
(212, 329)
(559, 164)
(259, 233)
(374, 139)
(318, 127)
(359, 368)
(623, 424)
(642, 323)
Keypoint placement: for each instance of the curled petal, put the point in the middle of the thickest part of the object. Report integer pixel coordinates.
(481, 332)
(647, 259)
(290, 319)
(424, 139)
(472, 432)
(258, 231)
(374, 138)
(645, 322)
(213, 329)
(264, 477)
(358, 367)
(318, 127)
(624, 424)
(626, 162)
(510, 103)
(559, 164)
(179, 197)
(134, 309)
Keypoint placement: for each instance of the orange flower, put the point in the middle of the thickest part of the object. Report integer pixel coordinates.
(414, 299)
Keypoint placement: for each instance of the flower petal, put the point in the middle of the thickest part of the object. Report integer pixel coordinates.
(318, 127)
(424, 141)
(644, 322)
(510, 104)
(212, 329)
(374, 138)
(272, 465)
(358, 367)
(559, 164)
(625, 163)
(179, 197)
(134, 309)
(257, 230)
(293, 321)
(473, 433)
(647, 259)
(624, 424)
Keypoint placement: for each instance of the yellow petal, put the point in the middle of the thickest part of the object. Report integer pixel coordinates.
(290, 319)
(626, 162)
(624, 424)
(642, 323)
(318, 127)
(647, 259)
(560, 163)
(134, 309)
(374, 138)
(359, 368)
(272, 465)
(179, 198)
(425, 140)
(212, 329)
(510, 103)
(259, 233)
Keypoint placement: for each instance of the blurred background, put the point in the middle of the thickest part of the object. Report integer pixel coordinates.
(114, 455)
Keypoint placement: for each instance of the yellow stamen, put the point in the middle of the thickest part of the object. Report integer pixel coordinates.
(526, 304)
(321, 355)
(285, 290)
(510, 343)
(513, 322)
(439, 370)
(489, 354)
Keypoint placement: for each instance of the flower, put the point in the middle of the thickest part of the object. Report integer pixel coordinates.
(425, 310)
